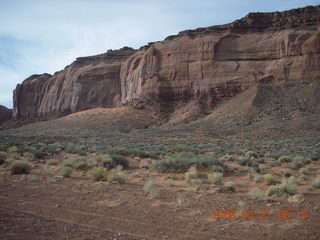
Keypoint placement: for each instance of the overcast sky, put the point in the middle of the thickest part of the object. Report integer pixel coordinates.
(38, 36)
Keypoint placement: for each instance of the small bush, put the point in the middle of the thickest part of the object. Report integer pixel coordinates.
(269, 179)
(182, 161)
(80, 163)
(262, 167)
(54, 162)
(20, 167)
(116, 175)
(150, 188)
(251, 154)
(182, 202)
(216, 168)
(302, 160)
(3, 157)
(28, 156)
(274, 164)
(115, 160)
(256, 177)
(191, 177)
(316, 182)
(13, 150)
(242, 206)
(303, 171)
(284, 159)
(29, 178)
(287, 173)
(170, 182)
(245, 162)
(286, 188)
(229, 186)
(99, 174)
(256, 193)
(66, 171)
(215, 177)
(226, 157)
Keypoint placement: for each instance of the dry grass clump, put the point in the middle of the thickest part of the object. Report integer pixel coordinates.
(257, 193)
(115, 175)
(215, 177)
(191, 177)
(269, 179)
(66, 171)
(150, 188)
(285, 159)
(99, 174)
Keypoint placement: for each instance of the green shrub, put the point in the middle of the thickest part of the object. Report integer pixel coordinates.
(274, 164)
(251, 154)
(302, 160)
(284, 159)
(215, 177)
(269, 179)
(256, 193)
(115, 160)
(286, 188)
(182, 161)
(54, 148)
(76, 149)
(316, 182)
(99, 174)
(20, 167)
(150, 188)
(217, 168)
(184, 148)
(226, 157)
(245, 162)
(66, 171)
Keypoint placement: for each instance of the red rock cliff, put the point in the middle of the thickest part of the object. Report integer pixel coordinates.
(205, 65)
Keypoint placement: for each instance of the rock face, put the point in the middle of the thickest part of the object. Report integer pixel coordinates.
(204, 66)
(5, 114)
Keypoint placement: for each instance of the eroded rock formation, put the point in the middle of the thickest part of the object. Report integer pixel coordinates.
(206, 66)
(5, 114)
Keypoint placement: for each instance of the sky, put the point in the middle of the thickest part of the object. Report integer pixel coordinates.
(38, 36)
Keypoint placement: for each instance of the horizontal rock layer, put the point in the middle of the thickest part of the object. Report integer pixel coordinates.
(206, 66)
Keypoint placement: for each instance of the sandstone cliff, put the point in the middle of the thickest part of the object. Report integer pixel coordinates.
(204, 67)
(5, 114)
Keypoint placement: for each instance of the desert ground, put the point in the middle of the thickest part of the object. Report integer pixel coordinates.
(65, 179)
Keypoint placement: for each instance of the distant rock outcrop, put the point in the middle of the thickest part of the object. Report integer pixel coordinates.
(5, 114)
(203, 66)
